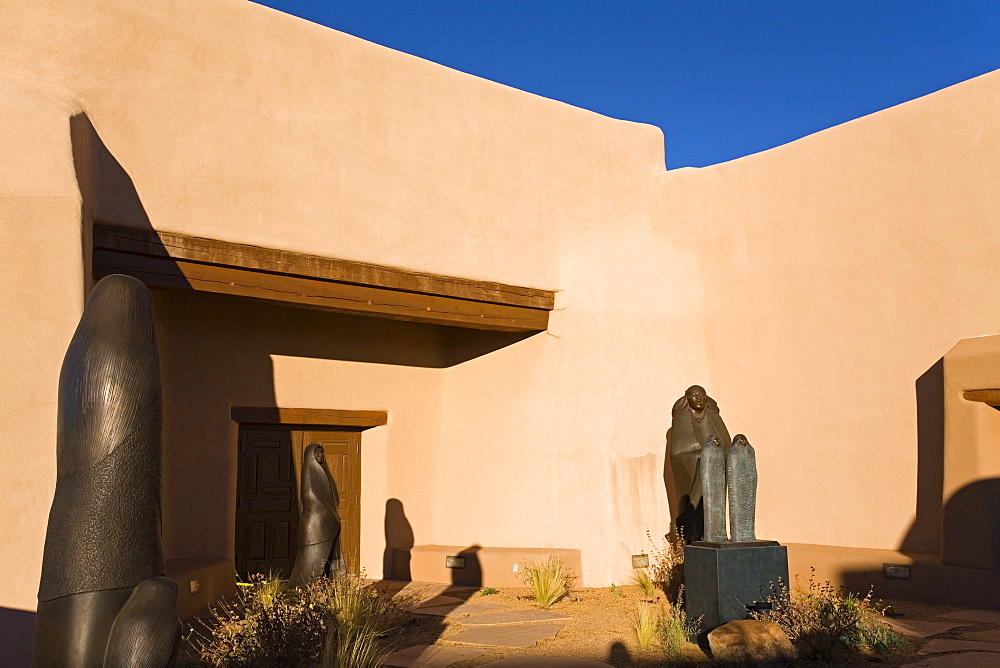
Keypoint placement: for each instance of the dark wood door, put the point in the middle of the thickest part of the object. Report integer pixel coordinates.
(268, 504)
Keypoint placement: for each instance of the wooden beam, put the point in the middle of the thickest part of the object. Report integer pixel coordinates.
(176, 261)
(308, 416)
(991, 397)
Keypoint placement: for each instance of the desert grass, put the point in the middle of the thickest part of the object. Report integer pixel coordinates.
(548, 577)
(640, 578)
(644, 622)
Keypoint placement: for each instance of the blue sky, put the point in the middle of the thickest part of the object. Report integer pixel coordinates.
(721, 78)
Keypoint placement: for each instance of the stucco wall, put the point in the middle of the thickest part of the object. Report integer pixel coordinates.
(837, 270)
(807, 287)
(41, 298)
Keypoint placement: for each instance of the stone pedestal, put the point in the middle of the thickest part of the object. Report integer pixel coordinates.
(721, 580)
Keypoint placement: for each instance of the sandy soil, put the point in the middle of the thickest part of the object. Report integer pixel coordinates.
(599, 627)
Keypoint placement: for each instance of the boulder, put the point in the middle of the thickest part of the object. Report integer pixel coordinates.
(751, 641)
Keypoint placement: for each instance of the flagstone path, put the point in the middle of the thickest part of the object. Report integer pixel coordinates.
(489, 627)
(975, 648)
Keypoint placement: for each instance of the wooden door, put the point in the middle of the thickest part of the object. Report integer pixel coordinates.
(268, 503)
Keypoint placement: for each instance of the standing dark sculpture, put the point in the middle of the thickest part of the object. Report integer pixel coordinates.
(319, 550)
(713, 486)
(741, 480)
(102, 599)
(694, 419)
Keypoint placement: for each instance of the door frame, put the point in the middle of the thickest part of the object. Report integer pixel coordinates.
(299, 419)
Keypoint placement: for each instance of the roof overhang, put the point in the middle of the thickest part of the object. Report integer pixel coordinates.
(181, 262)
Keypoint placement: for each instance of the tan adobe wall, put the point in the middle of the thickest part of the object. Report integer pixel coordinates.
(834, 273)
(808, 287)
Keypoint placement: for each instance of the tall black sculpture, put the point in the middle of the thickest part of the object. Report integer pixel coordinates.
(102, 599)
(319, 550)
(694, 419)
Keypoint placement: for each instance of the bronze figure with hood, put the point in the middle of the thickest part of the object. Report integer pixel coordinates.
(695, 419)
(319, 551)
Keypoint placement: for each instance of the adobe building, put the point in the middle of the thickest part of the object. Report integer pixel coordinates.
(485, 303)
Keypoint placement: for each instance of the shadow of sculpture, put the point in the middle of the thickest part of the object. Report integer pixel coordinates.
(471, 573)
(398, 542)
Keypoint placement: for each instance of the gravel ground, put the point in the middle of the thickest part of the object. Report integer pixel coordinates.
(599, 627)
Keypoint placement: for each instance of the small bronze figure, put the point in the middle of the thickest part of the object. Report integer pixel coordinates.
(713, 485)
(741, 481)
(102, 598)
(695, 418)
(319, 551)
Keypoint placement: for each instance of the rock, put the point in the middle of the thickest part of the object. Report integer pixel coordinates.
(751, 641)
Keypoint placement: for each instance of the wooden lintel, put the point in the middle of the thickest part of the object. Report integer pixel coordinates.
(308, 416)
(989, 396)
(180, 262)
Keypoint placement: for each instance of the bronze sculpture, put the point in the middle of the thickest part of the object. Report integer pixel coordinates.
(741, 481)
(102, 598)
(713, 489)
(319, 550)
(694, 418)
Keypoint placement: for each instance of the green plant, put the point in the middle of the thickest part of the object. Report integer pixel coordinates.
(642, 580)
(666, 569)
(823, 620)
(333, 622)
(675, 629)
(644, 623)
(548, 577)
(488, 591)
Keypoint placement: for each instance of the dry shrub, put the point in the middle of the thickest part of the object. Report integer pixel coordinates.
(823, 621)
(332, 622)
(549, 578)
(675, 629)
(666, 568)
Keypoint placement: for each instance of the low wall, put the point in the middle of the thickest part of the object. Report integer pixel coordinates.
(483, 566)
(859, 569)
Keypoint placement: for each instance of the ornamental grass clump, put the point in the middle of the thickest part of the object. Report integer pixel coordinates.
(549, 578)
(642, 580)
(824, 621)
(644, 623)
(675, 629)
(334, 622)
(666, 569)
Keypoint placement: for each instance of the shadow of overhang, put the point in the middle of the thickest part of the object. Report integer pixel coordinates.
(182, 262)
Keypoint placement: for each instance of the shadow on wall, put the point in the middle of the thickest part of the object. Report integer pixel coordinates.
(925, 532)
(108, 195)
(970, 521)
(471, 575)
(398, 542)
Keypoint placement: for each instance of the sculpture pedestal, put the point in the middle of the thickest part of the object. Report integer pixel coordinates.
(721, 580)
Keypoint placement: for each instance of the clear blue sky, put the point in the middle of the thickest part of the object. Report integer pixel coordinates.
(722, 78)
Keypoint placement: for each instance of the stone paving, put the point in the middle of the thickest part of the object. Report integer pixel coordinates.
(975, 648)
(488, 626)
